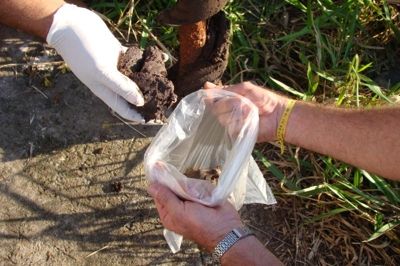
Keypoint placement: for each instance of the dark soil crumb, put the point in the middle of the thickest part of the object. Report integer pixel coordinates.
(113, 187)
(131, 61)
(98, 151)
(116, 186)
(148, 70)
(210, 65)
(211, 175)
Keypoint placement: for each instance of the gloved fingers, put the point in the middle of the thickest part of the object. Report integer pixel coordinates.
(154, 122)
(165, 57)
(118, 104)
(123, 86)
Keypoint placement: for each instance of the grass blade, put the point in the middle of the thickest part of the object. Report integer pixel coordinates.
(383, 186)
(382, 230)
(275, 171)
(328, 214)
(285, 87)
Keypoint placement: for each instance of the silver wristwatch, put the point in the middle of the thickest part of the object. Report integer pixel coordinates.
(229, 240)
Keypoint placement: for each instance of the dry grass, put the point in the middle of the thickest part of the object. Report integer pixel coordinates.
(332, 52)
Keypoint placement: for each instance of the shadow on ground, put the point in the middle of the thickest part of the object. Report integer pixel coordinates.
(72, 187)
(53, 213)
(43, 109)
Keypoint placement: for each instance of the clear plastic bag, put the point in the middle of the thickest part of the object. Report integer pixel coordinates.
(209, 129)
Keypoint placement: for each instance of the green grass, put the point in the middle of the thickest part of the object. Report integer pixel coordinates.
(333, 51)
(323, 51)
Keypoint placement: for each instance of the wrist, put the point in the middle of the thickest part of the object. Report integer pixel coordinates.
(34, 17)
(280, 111)
(294, 128)
(212, 239)
(230, 239)
(269, 120)
(283, 121)
(249, 251)
(52, 9)
(237, 250)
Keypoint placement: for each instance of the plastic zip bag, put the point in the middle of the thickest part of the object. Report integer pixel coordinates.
(209, 129)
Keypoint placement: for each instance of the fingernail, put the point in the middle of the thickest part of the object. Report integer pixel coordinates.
(210, 85)
(135, 98)
(138, 96)
(140, 101)
(165, 57)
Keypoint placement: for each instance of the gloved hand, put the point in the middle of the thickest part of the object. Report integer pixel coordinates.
(91, 51)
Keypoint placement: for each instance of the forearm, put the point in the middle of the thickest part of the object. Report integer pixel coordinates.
(249, 251)
(32, 16)
(368, 139)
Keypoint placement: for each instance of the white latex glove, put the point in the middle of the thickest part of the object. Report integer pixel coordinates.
(91, 51)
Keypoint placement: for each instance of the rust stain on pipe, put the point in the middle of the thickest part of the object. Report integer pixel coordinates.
(192, 38)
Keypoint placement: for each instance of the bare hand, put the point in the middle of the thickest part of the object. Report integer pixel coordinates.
(270, 105)
(204, 225)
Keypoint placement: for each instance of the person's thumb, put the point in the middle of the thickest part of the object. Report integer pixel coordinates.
(164, 197)
(153, 190)
(123, 86)
(209, 85)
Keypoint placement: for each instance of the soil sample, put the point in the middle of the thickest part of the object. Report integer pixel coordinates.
(147, 69)
(210, 175)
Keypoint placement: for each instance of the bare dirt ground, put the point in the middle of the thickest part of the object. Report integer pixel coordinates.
(61, 153)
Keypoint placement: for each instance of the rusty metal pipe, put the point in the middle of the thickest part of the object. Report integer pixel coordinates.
(192, 18)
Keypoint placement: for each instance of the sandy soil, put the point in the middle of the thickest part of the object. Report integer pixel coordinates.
(60, 152)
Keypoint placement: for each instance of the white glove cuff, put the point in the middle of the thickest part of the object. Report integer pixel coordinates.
(61, 19)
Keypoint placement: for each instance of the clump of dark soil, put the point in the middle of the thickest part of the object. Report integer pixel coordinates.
(147, 69)
(113, 187)
(205, 62)
(212, 62)
(211, 175)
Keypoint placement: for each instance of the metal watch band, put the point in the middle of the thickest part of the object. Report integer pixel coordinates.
(229, 240)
